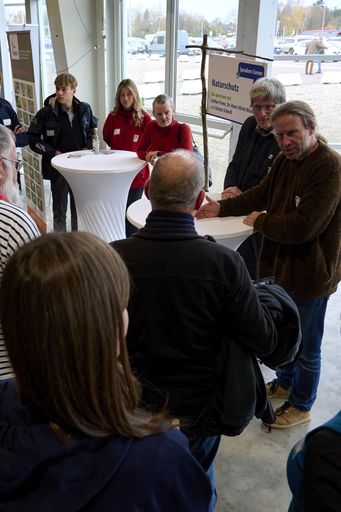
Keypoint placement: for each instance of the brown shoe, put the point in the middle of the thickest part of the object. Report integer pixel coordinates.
(288, 416)
(275, 390)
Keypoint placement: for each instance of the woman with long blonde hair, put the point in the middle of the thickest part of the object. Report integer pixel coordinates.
(123, 129)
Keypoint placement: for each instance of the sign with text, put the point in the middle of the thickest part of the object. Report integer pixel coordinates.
(21, 54)
(229, 83)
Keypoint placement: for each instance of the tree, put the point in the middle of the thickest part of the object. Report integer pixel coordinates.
(291, 17)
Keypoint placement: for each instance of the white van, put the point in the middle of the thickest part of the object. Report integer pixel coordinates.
(158, 43)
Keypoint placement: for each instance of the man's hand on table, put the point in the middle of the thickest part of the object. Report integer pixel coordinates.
(251, 218)
(230, 192)
(209, 209)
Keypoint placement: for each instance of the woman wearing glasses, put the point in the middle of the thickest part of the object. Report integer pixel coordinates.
(254, 154)
(72, 436)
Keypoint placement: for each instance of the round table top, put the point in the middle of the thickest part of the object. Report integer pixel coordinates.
(107, 161)
(218, 227)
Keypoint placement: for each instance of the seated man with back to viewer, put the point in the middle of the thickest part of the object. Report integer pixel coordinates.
(16, 226)
(297, 208)
(190, 294)
(254, 155)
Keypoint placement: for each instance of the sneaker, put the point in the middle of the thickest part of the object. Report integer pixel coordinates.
(288, 416)
(275, 390)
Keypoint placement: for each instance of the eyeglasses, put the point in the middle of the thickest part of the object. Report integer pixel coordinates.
(18, 163)
(259, 108)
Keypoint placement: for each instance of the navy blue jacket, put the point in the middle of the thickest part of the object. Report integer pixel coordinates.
(252, 158)
(189, 296)
(9, 118)
(45, 131)
(39, 473)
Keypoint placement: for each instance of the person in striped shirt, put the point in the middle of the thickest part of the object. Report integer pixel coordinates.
(16, 226)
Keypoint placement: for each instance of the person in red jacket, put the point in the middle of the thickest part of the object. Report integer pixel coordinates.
(165, 134)
(123, 129)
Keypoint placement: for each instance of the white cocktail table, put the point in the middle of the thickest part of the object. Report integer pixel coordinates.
(229, 231)
(100, 185)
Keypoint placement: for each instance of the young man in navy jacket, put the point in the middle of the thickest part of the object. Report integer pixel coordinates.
(63, 124)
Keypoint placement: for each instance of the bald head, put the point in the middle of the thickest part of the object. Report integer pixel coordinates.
(176, 182)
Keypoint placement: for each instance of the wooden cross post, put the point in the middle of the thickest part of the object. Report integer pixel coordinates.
(203, 108)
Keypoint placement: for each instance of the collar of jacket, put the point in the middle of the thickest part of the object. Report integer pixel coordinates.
(52, 102)
(162, 224)
(263, 133)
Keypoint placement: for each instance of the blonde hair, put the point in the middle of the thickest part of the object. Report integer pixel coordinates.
(138, 113)
(65, 80)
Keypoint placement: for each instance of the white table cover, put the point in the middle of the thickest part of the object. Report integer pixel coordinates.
(100, 185)
(229, 231)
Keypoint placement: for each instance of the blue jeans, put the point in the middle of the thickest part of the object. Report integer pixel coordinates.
(302, 376)
(204, 451)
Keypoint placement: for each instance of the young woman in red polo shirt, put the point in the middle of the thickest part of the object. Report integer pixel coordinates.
(123, 129)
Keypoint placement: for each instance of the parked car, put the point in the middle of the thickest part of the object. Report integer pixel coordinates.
(138, 45)
(277, 47)
(194, 40)
(332, 48)
(300, 47)
(225, 42)
(287, 45)
(335, 41)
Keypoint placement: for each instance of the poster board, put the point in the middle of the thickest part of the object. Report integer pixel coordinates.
(25, 91)
(229, 83)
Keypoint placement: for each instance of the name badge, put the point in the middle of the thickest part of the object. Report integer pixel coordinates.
(117, 131)
(136, 137)
(50, 133)
(7, 122)
(297, 200)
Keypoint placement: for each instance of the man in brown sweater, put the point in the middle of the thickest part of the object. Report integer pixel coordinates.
(297, 207)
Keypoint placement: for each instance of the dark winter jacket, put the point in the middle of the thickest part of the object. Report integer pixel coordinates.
(314, 469)
(189, 296)
(39, 472)
(9, 118)
(252, 158)
(46, 134)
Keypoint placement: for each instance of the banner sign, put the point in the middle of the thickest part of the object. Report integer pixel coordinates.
(20, 49)
(229, 83)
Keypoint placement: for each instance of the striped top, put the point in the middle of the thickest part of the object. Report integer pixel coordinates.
(16, 228)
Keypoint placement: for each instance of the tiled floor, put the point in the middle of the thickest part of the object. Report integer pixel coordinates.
(251, 468)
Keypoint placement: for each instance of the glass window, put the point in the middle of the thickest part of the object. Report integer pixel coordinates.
(15, 13)
(197, 17)
(219, 21)
(147, 47)
(47, 62)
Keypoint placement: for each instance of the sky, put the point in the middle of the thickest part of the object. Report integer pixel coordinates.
(215, 8)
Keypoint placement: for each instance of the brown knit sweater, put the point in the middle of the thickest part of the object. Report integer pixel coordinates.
(302, 223)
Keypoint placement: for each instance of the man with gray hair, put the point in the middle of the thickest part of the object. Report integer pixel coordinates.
(189, 295)
(254, 155)
(297, 208)
(16, 226)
